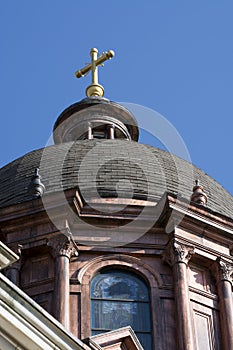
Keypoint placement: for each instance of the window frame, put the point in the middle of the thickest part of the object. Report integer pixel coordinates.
(116, 301)
(133, 264)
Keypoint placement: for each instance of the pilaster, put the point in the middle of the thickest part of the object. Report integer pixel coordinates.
(223, 271)
(63, 248)
(177, 255)
(13, 270)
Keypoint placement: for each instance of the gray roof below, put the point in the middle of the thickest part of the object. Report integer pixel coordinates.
(109, 168)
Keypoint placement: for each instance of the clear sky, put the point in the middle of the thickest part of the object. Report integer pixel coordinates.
(173, 56)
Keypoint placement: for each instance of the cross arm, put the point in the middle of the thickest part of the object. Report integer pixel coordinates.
(101, 59)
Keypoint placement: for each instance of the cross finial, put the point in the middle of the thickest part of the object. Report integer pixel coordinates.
(95, 89)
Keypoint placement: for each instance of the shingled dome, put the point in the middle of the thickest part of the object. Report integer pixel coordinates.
(109, 168)
(96, 152)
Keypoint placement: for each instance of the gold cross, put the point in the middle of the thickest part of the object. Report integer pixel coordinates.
(95, 89)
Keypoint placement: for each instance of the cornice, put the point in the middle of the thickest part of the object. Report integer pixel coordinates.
(168, 212)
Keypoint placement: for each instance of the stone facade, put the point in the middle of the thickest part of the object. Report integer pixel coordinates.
(180, 250)
(188, 271)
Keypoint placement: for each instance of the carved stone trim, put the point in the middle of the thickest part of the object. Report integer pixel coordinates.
(17, 249)
(223, 270)
(96, 264)
(63, 246)
(177, 252)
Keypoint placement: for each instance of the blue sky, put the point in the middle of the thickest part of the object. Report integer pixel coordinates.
(173, 56)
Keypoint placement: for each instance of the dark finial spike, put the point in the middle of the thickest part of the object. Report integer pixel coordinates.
(36, 187)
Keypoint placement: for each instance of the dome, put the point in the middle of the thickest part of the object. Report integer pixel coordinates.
(108, 168)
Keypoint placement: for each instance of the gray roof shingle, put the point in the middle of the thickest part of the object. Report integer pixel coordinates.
(111, 168)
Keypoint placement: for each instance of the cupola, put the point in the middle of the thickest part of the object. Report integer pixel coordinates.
(95, 117)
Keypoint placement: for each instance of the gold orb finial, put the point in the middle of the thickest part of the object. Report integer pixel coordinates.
(95, 89)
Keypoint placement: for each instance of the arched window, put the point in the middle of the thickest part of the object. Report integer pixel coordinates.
(120, 298)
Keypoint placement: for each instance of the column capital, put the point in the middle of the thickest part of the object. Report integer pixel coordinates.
(63, 246)
(223, 270)
(178, 252)
(17, 249)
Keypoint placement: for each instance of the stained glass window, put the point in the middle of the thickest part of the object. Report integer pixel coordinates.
(118, 299)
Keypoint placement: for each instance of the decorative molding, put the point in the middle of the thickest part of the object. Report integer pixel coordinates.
(119, 260)
(63, 246)
(17, 248)
(16, 265)
(203, 293)
(122, 338)
(177, 252)
(223, 270)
